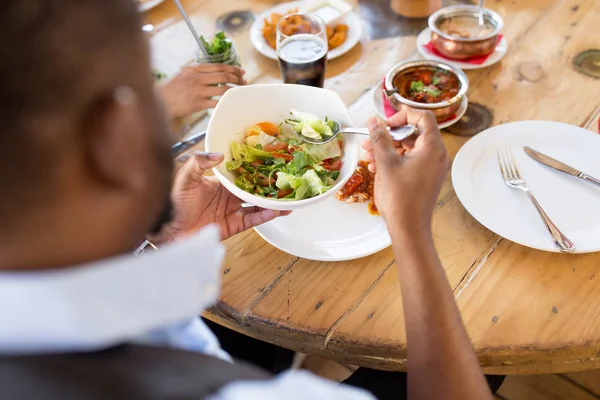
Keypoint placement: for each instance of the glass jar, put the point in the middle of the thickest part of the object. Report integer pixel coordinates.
(230, 57)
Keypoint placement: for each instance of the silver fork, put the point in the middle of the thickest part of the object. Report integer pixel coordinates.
(512, 177)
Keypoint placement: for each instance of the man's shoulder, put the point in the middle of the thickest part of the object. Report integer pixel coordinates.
(129, 371)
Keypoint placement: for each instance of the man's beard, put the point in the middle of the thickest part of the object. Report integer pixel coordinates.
(164, 217)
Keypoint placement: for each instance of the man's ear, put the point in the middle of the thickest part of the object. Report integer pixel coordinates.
(113, 131)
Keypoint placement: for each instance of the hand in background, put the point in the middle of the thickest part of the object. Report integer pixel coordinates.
(409, 174)
(201, 200)
(191, 90)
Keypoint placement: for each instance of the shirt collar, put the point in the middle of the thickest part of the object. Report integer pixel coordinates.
(111, 301)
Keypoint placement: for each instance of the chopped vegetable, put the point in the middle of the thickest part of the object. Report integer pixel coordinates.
(220, 44)
(274, 162)
(309, 125)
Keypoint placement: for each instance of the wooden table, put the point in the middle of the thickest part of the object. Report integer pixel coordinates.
(526, 311)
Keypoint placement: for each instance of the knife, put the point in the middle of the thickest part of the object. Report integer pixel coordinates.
(559, 166)
(182, 146)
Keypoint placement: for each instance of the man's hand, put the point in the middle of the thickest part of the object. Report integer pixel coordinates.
(191, 90)
(200, 200)
(409, 174)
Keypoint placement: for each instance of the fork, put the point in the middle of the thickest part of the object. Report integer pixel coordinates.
(512, 177)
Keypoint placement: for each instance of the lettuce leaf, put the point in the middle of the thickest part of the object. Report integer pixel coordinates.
(314, 183)
(287, 181)
(243, 152)
(320, 152)
(309, 125)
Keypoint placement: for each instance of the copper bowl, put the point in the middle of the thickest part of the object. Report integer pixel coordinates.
(442, 110)
(459, 48)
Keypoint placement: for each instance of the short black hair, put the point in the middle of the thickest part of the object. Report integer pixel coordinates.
(52, 54)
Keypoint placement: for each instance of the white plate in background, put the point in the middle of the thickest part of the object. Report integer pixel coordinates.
(571, 203)
(353, 21)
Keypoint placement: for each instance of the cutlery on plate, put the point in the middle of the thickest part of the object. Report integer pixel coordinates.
(559, 166)
(182, 146)
(512, 177)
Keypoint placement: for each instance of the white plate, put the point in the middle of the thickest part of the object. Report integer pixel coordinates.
(150, 4)
(256, 37)
(379, 107)
(425, 37)
(570, 202)
(328, 231)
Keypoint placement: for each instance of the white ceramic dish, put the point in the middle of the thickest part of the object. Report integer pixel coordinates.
(425, 37)
(245, 106)
(329, 231)
(379, 107)
(331, 11)
(148, 5)
(571, 203)
(259, 43)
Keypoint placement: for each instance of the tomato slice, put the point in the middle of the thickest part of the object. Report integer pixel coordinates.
(333, 165)
(269, 128)
(257, 163)
(285, 156)
(275, 147)
(283, 193)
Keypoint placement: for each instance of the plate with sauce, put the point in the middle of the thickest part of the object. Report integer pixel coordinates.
(333, 230)
(497, 55)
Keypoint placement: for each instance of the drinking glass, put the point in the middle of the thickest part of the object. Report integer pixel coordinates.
(302, 49)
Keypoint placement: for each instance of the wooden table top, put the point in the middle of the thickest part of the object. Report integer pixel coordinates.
(526, 311)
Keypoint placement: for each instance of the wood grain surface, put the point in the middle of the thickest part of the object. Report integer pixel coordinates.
(526, 311)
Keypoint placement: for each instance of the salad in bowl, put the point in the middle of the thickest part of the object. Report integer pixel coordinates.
(274, 162)
(267, 161)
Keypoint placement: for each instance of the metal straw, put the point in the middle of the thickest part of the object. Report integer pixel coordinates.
(481, 13)
(192, 29)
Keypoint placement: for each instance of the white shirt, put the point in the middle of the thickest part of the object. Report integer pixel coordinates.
(153, 299)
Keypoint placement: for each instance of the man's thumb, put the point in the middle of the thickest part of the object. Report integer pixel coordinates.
(193, 170)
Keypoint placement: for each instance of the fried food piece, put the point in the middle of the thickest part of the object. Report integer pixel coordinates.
(336, 36)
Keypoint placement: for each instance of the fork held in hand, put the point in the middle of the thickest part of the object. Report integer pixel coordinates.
(512, 177)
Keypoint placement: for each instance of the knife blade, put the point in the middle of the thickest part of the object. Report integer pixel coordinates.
(182, 146)
(559, 165)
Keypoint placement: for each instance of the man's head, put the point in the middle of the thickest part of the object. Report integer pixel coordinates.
(85, 166)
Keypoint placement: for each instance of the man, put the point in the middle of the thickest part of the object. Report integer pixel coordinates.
(85, 172)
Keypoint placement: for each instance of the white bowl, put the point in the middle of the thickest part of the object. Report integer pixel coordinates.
(245, 106)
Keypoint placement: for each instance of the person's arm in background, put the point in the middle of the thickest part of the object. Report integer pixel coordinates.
(193, 88)
(441, 361)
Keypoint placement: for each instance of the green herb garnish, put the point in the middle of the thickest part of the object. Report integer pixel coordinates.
(419, 87)
(416, 86)
(220, 44)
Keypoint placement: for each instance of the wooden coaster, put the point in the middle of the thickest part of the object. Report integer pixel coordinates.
(477, 118)
(588, 63)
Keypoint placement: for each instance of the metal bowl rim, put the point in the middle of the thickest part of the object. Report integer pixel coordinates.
(466, 9)
(396, 69)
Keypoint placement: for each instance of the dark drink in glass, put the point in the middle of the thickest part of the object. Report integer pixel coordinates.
(302, 50)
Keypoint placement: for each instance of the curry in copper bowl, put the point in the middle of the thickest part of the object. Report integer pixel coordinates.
(427, 85)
